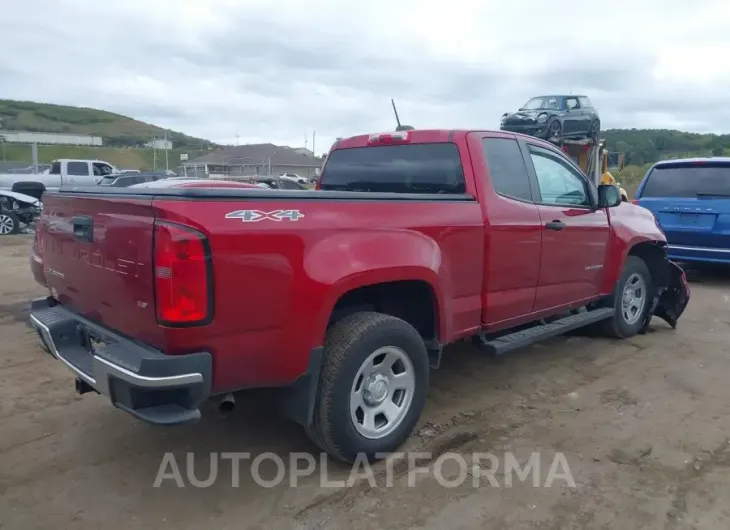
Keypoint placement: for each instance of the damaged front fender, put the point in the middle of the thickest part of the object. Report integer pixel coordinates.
(673, 301)
(670, 300)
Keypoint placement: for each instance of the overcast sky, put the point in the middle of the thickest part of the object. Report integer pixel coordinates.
(275, 70)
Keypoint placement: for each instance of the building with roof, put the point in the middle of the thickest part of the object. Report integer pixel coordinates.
(256, 159)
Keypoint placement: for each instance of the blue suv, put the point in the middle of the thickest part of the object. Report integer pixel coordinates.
(690, 199)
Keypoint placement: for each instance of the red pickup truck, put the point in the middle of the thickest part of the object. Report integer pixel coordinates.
(342, 297)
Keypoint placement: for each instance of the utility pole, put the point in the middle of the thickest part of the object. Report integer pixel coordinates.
(34, 155)
(314, 133)
(167, 168)
(154, 154)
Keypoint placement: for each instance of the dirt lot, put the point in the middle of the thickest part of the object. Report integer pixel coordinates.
(643, 425)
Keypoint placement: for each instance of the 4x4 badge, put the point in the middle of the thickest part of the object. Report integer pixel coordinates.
(253, 216)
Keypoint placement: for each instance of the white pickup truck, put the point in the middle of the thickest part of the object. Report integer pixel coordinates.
(63, 172)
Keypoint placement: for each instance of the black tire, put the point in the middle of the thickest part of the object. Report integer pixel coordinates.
(348, 344)
(595, 130)
(618, 326)
(8, 220)
(554, 130)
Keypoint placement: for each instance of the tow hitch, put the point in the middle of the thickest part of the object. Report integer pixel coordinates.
(671, 300)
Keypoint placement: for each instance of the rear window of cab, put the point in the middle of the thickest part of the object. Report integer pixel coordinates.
(406, 168)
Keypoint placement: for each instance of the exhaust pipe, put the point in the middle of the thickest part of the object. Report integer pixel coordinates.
(227, 404)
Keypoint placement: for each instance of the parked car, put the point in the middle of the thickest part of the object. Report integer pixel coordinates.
(280, 183)
(191, 182)
(16, 210)
(690, 199)
(341, 298)
(121, 180)
(40, 168)
(555, 118)
(63, 172)
(294, 178)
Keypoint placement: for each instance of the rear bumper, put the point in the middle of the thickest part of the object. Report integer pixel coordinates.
(158, 388)
(698, 254)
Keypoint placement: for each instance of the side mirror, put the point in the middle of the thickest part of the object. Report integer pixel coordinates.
(608, 196)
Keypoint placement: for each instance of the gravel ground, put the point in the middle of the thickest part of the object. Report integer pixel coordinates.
(642, 426)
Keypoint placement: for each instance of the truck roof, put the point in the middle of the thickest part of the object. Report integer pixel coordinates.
(420, 136)
(695, 160)
(92, 160)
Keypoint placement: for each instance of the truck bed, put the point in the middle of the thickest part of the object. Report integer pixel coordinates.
(274, 279)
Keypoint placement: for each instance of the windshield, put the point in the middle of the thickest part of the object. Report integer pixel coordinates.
(688, 180)
(542, 102)
(414, 168)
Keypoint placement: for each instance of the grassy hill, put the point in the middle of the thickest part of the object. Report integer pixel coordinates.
(643, 147)
(115, 129)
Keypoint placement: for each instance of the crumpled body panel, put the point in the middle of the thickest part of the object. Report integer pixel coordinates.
(670, 302)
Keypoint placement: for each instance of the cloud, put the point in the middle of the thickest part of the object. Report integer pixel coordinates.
(276, 70)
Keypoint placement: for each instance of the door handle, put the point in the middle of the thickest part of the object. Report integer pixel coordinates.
(83, 230)
(555, 225)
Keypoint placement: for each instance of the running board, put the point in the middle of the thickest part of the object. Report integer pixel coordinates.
(539, 332)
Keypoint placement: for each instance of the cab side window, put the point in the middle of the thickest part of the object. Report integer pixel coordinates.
(559, 184)
(507, 169)
(78, 169)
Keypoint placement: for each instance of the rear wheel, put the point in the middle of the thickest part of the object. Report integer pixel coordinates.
(595, 130)
(9, 224)
(372, 387)
(631, 300)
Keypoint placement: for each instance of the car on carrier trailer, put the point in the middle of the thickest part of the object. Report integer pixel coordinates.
(343, 298)
(555, 117)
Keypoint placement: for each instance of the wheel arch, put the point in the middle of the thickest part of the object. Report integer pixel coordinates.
(414, 298)
(654, 254)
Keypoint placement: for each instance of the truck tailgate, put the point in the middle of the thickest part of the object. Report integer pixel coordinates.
(97, 258)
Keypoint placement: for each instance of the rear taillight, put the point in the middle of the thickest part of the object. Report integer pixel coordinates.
(183, 276)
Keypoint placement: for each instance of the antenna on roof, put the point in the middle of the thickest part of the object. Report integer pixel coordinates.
(397, 119)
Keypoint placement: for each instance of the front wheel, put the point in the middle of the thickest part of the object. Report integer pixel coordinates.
(554, 130)
(632, 300)
(9, 224)
(372, 387)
